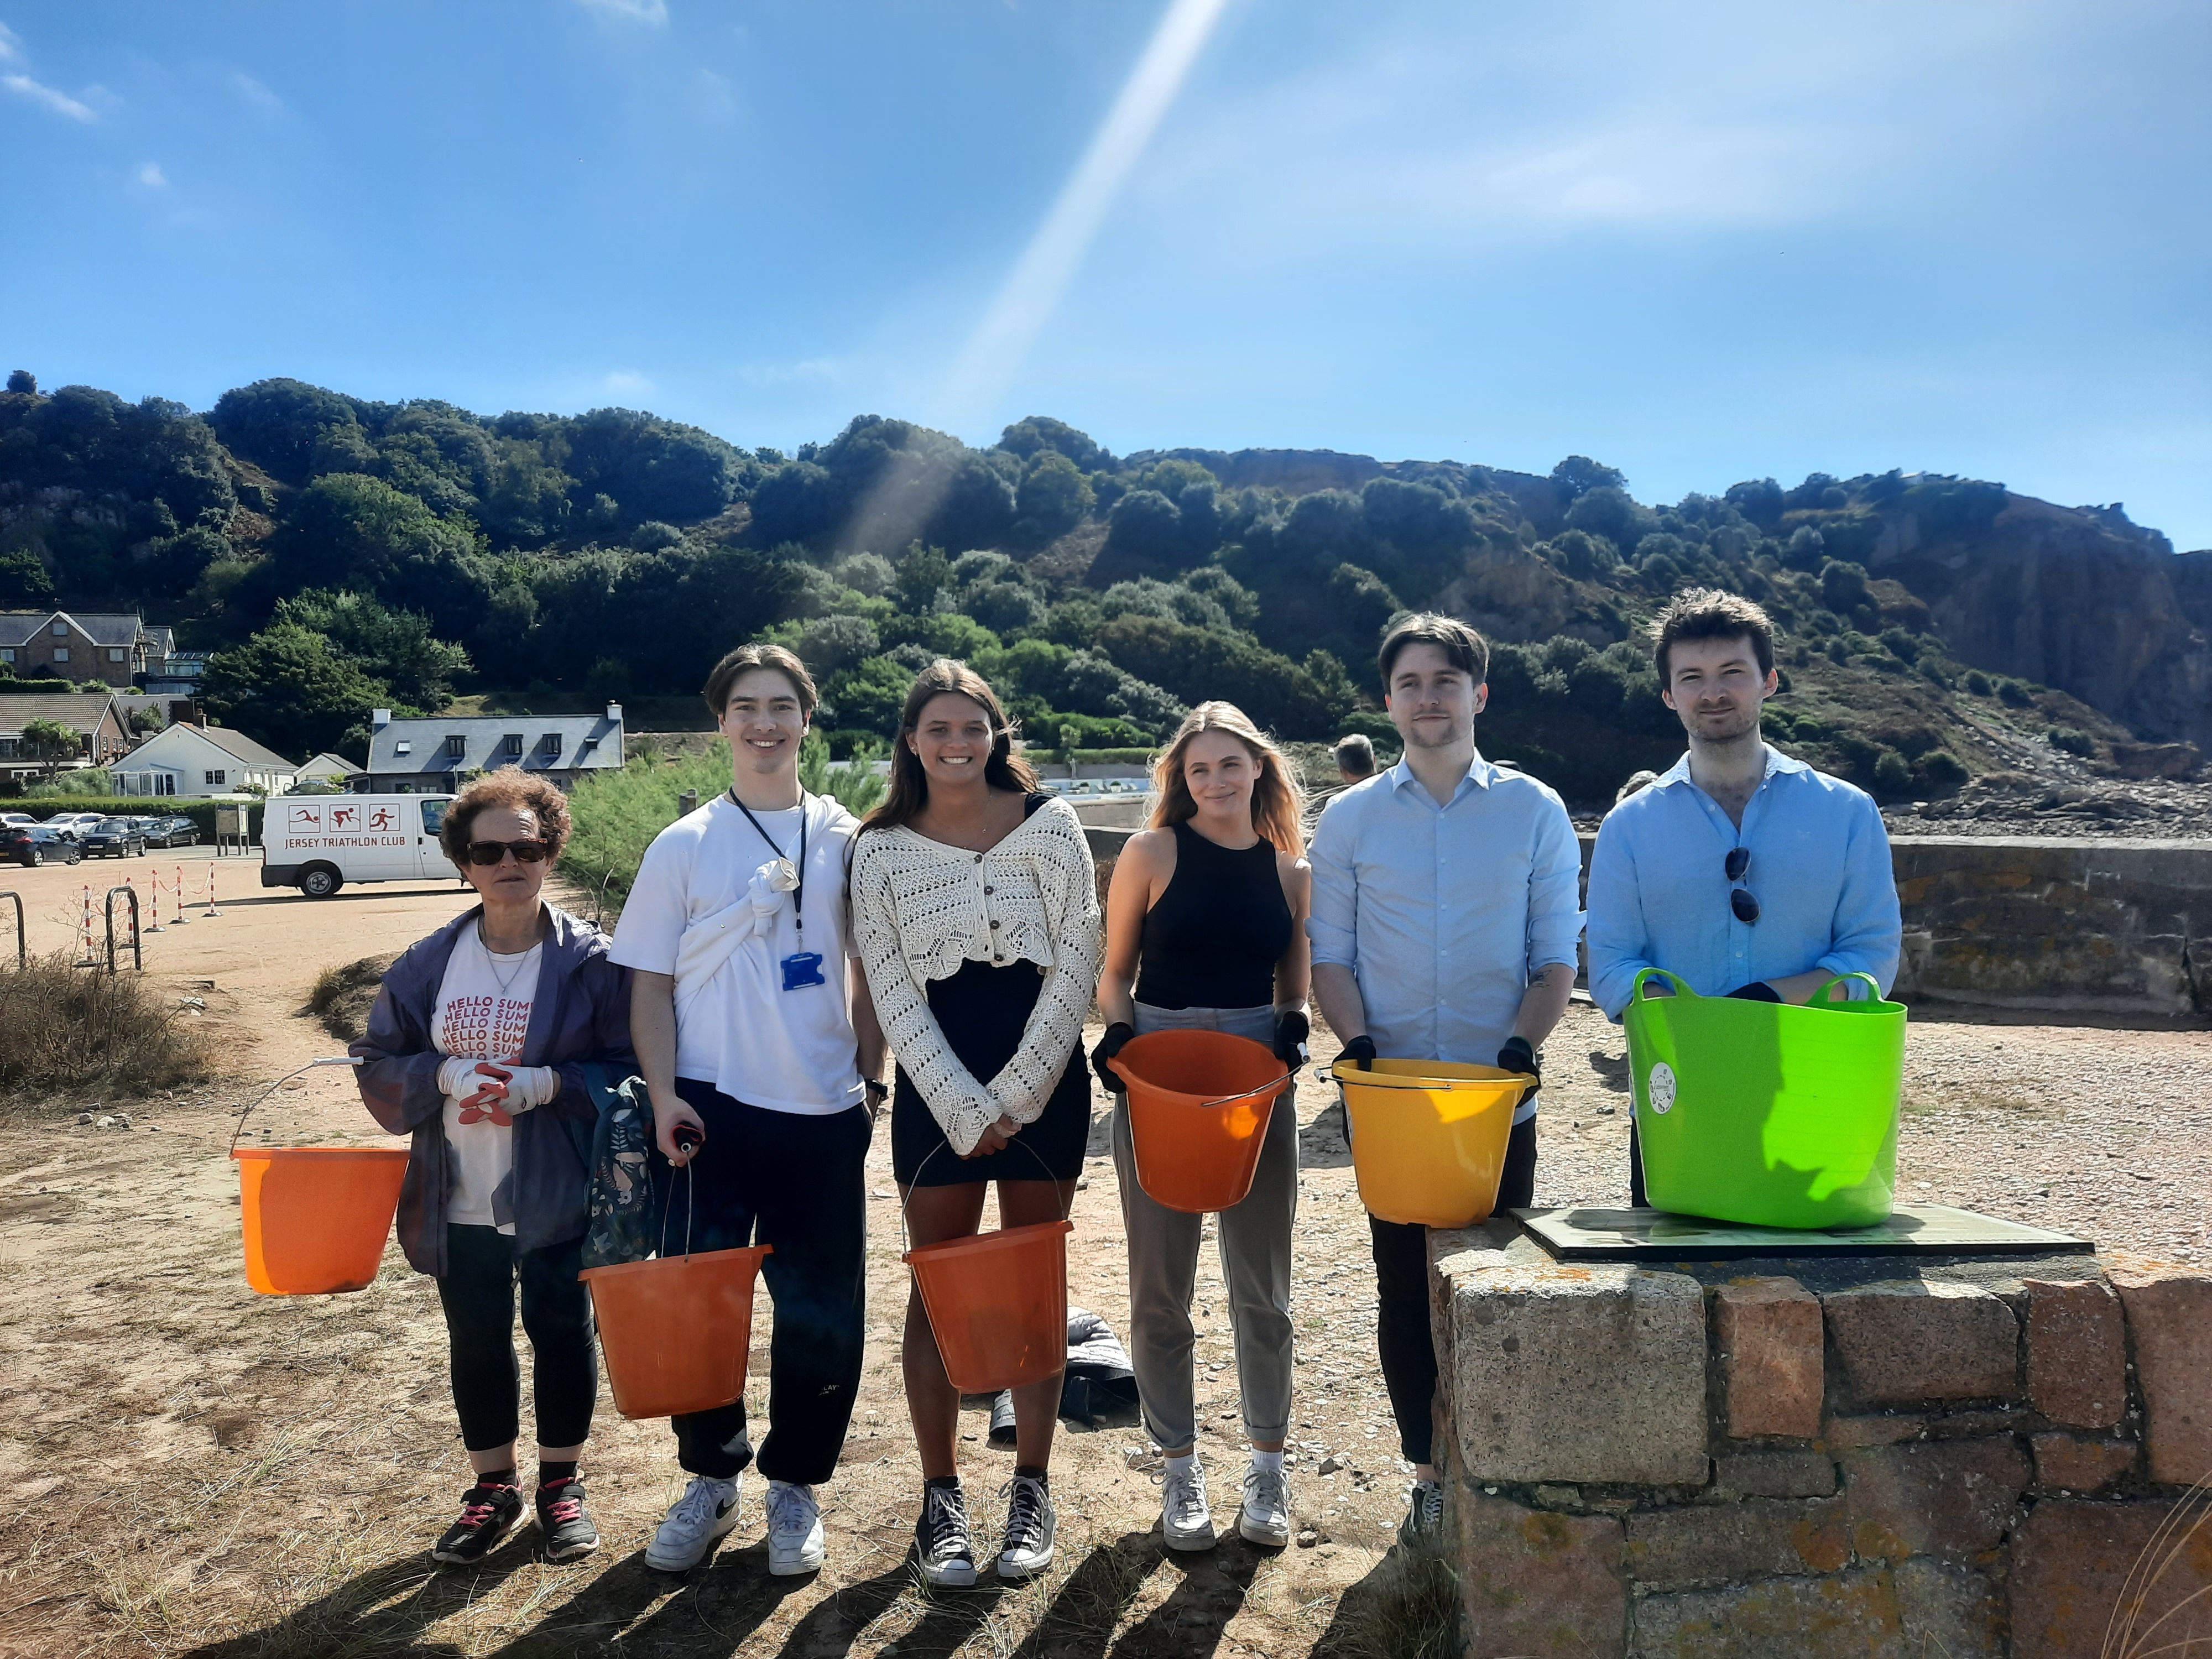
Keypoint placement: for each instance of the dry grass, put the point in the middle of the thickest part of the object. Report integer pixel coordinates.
(67, 1030)
(2131, 1633)
(342, 997)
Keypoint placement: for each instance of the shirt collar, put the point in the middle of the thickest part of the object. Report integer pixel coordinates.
(1776, 761)
(1479, 772)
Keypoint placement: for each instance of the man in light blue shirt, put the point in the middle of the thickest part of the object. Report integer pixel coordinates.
(1744, 872)
(1443, 927)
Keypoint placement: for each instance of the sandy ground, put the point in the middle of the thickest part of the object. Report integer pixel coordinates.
(194, 1468)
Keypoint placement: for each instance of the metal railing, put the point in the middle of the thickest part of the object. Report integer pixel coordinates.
(138, 951)
(22, 956)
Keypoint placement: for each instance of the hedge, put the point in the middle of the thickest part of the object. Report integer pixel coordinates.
(201, 812)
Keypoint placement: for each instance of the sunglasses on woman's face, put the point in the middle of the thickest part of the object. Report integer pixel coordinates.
(1741, 900)
(486, 854)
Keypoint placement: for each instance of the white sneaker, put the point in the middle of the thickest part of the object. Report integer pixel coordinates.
(1186, 1519)
(707, 1510)
(1265, 1518)
(1030, 1528)
(794, 1530)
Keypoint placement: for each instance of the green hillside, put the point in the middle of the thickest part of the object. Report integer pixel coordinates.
(338, 553)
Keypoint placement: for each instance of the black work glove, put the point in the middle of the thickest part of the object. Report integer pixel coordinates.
(1292, 1029)
(1360, 1051)
(1109, 1046)
(1518, 1057)
(1758, 991)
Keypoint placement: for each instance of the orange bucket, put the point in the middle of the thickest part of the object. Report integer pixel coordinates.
(316, 1217)
(677, 1330)
(1199, 1106)
(998, 1304)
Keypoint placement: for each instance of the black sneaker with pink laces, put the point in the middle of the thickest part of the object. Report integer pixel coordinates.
(566, 1524)
(488, 1512)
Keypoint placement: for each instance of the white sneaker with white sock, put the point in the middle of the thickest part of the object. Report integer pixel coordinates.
(1185, 1518)
(795, 1543)
(1265, 1517)
(707, 1510)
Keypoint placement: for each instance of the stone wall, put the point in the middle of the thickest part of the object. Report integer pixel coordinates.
(1884, 1458)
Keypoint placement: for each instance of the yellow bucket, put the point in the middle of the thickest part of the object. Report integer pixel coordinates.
(1428, 1137)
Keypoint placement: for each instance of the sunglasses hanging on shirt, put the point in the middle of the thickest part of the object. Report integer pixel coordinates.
(1741, 901)
(803, 967)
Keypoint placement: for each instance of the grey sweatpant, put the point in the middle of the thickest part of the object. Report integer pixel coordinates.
(1256, 1262)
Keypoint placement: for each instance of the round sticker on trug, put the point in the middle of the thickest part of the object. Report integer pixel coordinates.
(1660, 1087)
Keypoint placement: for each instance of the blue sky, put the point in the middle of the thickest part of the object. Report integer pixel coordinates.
(1700, 241)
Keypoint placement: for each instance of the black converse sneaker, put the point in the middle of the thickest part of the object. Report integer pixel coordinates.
(488, 1514)
(942, 1548)
(564, 1521)
(1030, 1528)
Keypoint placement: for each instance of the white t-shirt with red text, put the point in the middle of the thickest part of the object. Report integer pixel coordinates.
(483, 1013)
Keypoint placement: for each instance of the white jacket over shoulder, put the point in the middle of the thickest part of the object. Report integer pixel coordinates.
(920, 908)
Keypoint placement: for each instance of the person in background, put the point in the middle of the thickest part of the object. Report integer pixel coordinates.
(1445, 918)
(975, 906)
(1744, 872)
(1205, 930)
(1635, 780)
(1355, 758)
(475, 1047)
(755, 1032)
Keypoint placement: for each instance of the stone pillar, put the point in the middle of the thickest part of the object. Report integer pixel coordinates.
(1882, 1458)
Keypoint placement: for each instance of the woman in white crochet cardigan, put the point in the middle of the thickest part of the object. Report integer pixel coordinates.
(975, 912)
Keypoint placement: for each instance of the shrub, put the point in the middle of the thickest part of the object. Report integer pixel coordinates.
(1940, 771)
(2013, 694)
(2072, 739)
(65, 1031)
(1978, 683)
(341, 997)
(1893, 774)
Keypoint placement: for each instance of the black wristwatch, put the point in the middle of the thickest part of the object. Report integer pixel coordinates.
(876, 1089)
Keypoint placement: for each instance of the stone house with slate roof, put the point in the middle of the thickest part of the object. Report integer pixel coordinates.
(436, 756)
(67, 645)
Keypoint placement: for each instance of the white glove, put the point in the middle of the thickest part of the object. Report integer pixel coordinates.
(458, 1078)
(531, 1086)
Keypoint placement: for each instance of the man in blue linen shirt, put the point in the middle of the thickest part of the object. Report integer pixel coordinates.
(1445, 913)
(1744, 872)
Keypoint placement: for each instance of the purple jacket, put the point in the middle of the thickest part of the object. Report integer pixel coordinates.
(581, 1013)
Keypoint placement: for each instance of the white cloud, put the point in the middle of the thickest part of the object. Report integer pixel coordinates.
(627, 383)
(59, 102)
(11, 45)
(152, 177)
(256, 94)
(654, 12)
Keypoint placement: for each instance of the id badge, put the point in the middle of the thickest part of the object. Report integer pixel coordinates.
(801, 969)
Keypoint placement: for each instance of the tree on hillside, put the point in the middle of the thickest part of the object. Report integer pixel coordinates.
(1196, 663)
(22, 382)
(53, 742)
(23, 579)
(277, 424)
(358, 533)
(395, 646)
(286, 687)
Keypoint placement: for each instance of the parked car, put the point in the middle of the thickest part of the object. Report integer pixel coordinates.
(115, 838)
(172, 832)
(15, 820)
(74, 824)
(33, 845)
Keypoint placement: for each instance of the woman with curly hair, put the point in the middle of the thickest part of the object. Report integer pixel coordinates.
(975, 910)
(475, 1047)
(1206, 931)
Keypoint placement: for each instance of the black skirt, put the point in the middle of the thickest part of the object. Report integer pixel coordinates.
(982, 1011)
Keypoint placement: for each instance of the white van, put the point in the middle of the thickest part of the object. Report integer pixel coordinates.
(317, 843)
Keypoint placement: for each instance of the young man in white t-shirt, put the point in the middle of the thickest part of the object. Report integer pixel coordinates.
(755, 1032)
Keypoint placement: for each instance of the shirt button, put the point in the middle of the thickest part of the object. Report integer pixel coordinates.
(995, 923)
(979, 857)
(988, 891)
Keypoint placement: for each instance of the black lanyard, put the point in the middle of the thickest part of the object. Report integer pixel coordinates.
(798, 893)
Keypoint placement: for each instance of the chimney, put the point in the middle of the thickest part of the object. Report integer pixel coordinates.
(614, 713)
(378, 719)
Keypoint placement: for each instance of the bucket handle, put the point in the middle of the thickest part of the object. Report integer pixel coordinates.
(1270, 1088)
(1338, 1074)
(1821, 998)
(337, 1059)
(906, 1244)
(688, 1208)
(1645, 976)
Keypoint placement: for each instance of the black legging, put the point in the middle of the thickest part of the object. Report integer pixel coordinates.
(482, 1268)
(1406, 1344)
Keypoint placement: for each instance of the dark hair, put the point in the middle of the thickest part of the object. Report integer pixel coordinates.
(744, 661)
(511, 786)
(910, 786)
(1708, 613)
(1356, 754)
(1461, 644)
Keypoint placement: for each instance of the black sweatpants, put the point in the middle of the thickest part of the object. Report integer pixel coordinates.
(1402, 1333)
(795, 1184)
(482, 1268)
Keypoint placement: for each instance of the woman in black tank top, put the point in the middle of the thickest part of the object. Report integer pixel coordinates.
(1205, 929)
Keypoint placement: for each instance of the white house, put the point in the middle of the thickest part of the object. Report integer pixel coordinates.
(201, 760)
(325, 769)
